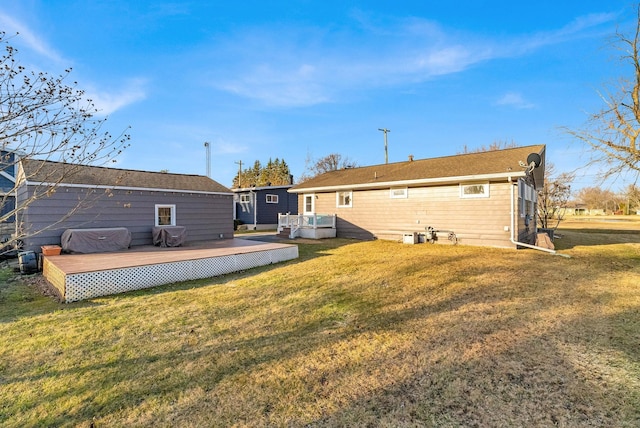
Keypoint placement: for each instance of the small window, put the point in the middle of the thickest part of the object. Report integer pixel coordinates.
(309, 204)
(165, 215)
(272, 199)
(245, 198)
(474, 190)
(401, 193)
(343, 199)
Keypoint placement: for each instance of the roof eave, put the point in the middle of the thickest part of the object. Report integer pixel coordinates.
(103, 186)
(412, 183)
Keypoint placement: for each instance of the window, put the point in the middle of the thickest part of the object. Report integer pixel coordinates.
(480, 190)
(527, 195)
(401, 193)
(272, 199)
(308, 204)
(245, 198)
(165, 215)
(343, 199)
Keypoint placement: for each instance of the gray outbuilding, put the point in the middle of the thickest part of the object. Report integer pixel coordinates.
(58, 196)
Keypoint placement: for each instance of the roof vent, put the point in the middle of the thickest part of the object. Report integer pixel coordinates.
(410, 158)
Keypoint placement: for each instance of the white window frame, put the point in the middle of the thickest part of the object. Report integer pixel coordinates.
(271, 199)
(172, 219)
(245, 198)
(528, 197)
(399, 193)
(340, 200)
(465, 195)
(312, 198)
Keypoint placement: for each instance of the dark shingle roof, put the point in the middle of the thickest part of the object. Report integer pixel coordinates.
(42, 171)
(466, 165)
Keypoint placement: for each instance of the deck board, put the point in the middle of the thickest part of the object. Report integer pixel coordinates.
(82, 276)
(146, 255)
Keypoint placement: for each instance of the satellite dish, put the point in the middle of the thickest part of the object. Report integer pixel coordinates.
(534, 159)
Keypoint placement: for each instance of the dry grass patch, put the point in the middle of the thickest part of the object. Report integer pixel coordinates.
(351, 334)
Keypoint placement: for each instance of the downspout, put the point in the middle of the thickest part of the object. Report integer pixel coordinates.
(513, 240)
(255, 209)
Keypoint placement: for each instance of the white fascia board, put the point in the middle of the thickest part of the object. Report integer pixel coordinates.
(412, 183)
(147, 189)
(249, 189)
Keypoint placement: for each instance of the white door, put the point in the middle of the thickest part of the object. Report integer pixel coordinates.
(309, 204)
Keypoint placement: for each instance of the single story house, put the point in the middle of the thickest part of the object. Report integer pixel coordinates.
(59, 196)
(258, 207)
(487, 198)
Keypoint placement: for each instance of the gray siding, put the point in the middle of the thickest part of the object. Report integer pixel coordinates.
(205, 216)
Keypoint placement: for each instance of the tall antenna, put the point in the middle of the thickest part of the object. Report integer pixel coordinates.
(239, 173)
(208, 149)
(386, 153)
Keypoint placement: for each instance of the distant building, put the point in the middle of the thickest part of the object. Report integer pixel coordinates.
(258, 207)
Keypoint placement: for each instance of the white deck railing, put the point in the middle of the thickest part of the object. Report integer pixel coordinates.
(305, 221)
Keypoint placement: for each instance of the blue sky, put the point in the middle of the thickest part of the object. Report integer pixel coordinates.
(293, 79)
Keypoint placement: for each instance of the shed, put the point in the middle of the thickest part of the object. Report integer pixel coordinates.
(58, 196)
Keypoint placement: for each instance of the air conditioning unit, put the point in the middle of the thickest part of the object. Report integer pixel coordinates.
(410, 238)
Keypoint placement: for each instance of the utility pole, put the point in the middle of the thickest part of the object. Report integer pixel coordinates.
(208, 149)
(239, 173)
(386, 153)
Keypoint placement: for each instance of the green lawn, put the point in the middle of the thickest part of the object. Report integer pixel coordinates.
(350, 334)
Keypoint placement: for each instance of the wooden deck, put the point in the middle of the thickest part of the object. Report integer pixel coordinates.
(83, 276)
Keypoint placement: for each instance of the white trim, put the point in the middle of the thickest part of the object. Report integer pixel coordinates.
(8, 176)
(101, 186)
(440, 180)
(304, 203)
(483, 194)
(350, 204)
(172, 207)
(246, 189)
(272, 201)
(403, 195)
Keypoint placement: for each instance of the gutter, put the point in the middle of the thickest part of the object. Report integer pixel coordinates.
(399, 183)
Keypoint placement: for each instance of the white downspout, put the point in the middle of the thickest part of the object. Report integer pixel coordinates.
(513, 240)
(255, 210)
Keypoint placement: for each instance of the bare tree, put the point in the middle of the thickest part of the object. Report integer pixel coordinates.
(553, 197)
(597, 198)
(43, 118)
(612, 133)
(632, 196)
(496, 145)
(330, 162)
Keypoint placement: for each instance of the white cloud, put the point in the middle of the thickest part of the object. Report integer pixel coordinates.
(28, 38)
(514, 99)
(109, 102)
(302, 66)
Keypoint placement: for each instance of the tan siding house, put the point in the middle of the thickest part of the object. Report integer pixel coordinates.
(485, 198)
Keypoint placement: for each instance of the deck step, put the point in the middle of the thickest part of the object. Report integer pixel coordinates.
(284, 233)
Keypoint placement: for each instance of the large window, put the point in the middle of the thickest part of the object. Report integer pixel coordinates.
(272, 199)
(343, 199)
(479, 190)
(165, 215)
